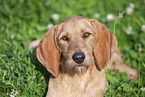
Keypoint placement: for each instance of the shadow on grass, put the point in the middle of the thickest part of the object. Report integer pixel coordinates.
(41, 68)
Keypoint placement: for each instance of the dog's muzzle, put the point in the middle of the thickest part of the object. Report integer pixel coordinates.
(78, 57)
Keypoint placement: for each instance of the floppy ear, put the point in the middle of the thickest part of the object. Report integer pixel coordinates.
(47, 52)
(105, 44)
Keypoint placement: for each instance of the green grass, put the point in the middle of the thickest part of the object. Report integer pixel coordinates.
(22, 21)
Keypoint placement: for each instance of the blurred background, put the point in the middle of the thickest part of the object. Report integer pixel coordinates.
(22, 21)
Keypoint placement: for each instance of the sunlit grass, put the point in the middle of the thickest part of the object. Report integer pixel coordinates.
(23, 21)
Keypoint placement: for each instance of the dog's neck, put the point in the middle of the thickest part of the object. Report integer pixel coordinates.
(90, 83)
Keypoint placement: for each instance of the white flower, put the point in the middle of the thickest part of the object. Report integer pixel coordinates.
(12, 36)
(132, 5)
(129, 30)
(139, 49)
(129, 11)
(110, 17)
(55, 17)
(12, 91)
(143, 28)
(121, 15)
(49, 26)
(142, 89)
(97, 15)
(12, 96)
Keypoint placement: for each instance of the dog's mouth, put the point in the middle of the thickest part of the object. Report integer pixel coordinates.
(80, 68)
(79, 65)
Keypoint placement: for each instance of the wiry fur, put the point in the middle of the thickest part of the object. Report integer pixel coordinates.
(74, 31)
(70, 79)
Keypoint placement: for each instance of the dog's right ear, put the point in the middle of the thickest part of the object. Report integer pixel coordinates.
(47, 52)
(105, 44)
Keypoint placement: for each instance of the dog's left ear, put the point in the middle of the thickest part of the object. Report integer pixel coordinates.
(48, 53)
(105, 44)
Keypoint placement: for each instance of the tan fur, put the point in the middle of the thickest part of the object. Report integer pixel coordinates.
(55, 53)
(119, 65)
(87, 85)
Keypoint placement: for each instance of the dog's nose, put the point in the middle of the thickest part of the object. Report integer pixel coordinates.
(78, 57)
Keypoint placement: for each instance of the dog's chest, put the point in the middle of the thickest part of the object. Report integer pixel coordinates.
(76, 87)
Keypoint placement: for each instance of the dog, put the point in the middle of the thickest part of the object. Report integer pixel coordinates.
(76, 53)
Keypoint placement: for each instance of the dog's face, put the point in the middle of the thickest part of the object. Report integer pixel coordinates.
(76, 43)
(75, 40)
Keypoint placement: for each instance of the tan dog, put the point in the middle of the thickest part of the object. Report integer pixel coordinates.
(76, 52)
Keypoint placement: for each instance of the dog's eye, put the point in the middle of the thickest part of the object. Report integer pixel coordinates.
(86, 34)
(65, 38)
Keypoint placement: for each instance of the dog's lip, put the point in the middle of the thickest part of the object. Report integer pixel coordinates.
(79, 65)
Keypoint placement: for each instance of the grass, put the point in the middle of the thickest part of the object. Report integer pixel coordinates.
(22, 21)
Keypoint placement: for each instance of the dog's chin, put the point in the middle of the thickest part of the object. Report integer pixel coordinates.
(79, 69)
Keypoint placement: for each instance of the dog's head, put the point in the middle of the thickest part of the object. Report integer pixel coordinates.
(76, 43)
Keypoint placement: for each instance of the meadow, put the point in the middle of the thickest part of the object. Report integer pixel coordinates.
(22, 21)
